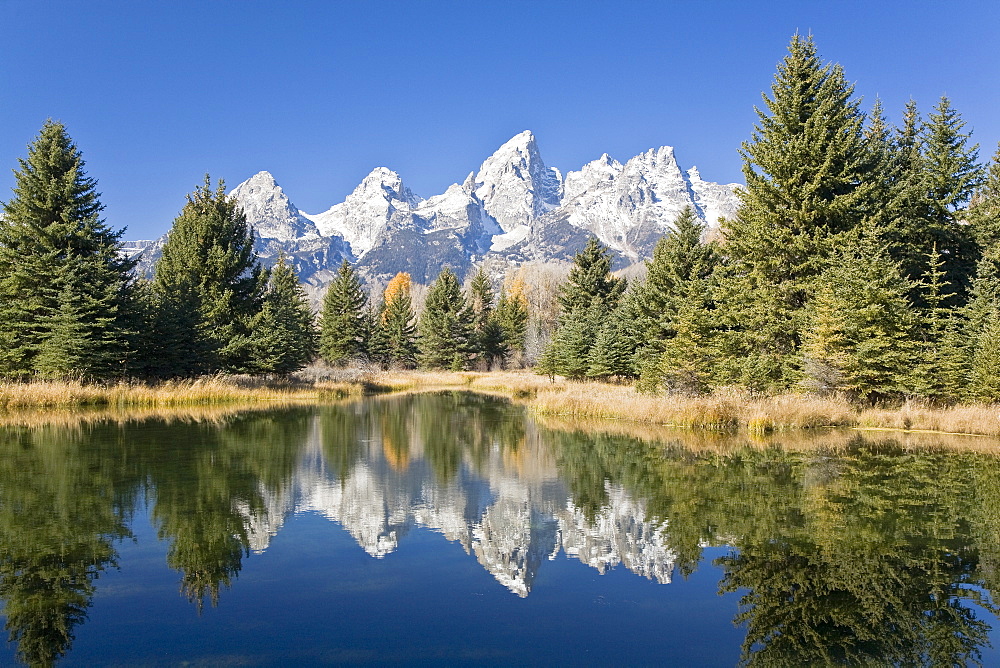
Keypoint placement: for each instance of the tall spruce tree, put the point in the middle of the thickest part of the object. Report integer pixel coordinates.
(590, 279)
(209, 266)
(859, 335)
(489, 340)
(342, 320)
(808, 168)
(64, 285)
(906, 212)
(446, 339)
(284, 333)
(941, 369)
(586, 299)
(984, 210)
(675, 310)
(951, 175)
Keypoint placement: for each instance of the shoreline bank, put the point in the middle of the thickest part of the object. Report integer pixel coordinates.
(591, 400)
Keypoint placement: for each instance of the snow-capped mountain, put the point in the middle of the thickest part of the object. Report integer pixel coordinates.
(513, 209)
(514, 184)
(363, 217)
(270, 212)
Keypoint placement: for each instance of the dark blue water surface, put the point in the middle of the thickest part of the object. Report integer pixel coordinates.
(455, 528)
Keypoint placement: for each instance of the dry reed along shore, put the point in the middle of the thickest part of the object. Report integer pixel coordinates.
(723, 410)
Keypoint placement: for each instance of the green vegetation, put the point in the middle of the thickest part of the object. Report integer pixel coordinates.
(863, 261)
(208, 270)
(64, 287)
(342, 325)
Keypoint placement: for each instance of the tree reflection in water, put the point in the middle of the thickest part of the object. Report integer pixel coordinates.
(852, 551)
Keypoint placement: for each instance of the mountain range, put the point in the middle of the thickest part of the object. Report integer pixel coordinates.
(515, 209)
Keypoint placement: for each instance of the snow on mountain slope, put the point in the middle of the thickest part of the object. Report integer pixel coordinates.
(649, 191)
(716, 200)
(366, 212)
(269, 211)
(514, 184)
(514, 209)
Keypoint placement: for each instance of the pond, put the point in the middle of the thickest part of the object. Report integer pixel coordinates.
(457, 528)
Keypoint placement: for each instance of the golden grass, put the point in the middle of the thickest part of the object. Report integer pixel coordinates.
(207, 390)
(800, 440)
(75, 417)
(724, 410)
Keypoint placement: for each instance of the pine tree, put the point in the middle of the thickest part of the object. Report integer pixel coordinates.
(984, 376)
(858, 337)
(284, 333)
(393, 336)
(952, 174)
(446, 339)
(586, 299)
(571, 345)
(208, 264)
(940, 370)
(984, 211)
(342, 319)
(512, 317)
(64, 285)
(490, 346)
(808, 171)
(906, 211)
(613, 349)
(590, 279)
(677, 300)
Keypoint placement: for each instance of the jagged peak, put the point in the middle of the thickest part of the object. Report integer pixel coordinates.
(523, 139)
(470, 182)
(384, 182)
(262, 180)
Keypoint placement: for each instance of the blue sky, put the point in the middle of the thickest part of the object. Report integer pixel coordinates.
(156, 94)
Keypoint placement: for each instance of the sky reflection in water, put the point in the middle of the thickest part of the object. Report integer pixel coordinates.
(453, 527)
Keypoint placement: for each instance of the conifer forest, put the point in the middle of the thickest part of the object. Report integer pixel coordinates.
(863, 261)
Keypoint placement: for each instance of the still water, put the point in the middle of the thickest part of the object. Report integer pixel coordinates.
(455, 528)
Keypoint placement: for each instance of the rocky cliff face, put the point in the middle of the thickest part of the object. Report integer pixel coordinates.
(515, 208)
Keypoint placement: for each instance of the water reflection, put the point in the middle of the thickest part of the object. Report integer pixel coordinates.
(849, 550)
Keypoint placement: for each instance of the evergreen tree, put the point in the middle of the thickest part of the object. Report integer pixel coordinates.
(342, 319)
(446, 339)
(984, 376)
(512, 317)
(590, 279)
(859, 334)
(208, 264)
(586, 299)
(393, 337)
(940, 369)
(984, 211)
(952, 174)
(675, 310)
(613, 349)
(284, 334)
(906, 211)
(570, 347)
(64, 285)
(488, 334)
(808, 171)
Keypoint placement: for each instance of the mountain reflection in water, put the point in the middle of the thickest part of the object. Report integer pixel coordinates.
(850, 550)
